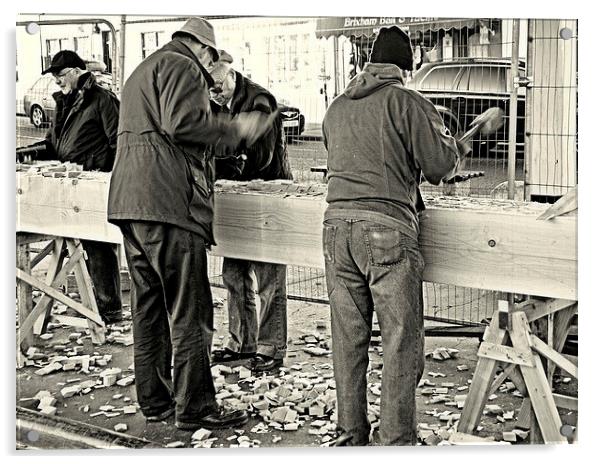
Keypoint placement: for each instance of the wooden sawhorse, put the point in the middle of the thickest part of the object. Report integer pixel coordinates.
(530, 377)
(66, 255)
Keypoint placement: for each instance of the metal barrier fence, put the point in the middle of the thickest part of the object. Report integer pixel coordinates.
(463, 65)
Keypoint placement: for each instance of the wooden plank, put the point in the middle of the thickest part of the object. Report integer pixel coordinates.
(566, 402)
(71, 321)
(552, 123)
(538, 309)
(65, 207)
(567, 203)
(540, 393)
(42, 254)
(86, 292)
(505, 354)
(481, 381)
(51, 273)
(541, 347)
(501, 377)
(280, 230)
(42, 304)
(510, 371)
(563, 320)
(518, 266)
(550, 343)
(24, 238)
(523, 419)
(517, 379)
(58, 296)
(24, 301)
(480, 243)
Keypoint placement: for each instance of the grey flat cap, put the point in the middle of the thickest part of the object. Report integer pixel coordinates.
(202, 31)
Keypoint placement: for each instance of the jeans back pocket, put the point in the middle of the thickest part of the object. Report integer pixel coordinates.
(385, 246)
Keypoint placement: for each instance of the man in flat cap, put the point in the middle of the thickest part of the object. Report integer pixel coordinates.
(84, 131)
(264, 342)
(380, 137)
(161, 196)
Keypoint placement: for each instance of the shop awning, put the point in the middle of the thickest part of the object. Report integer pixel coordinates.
(366, 26)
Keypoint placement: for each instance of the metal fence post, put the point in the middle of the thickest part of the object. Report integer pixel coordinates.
(122, 52)
(513, 109)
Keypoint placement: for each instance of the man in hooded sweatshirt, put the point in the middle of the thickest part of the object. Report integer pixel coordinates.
(380, 138)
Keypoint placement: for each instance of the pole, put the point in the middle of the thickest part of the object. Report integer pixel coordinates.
(513, 109)
(529, 110)
(122, 52)
(336, 66)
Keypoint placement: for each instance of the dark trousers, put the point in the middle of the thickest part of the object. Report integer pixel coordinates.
(168, 266)
(103, 266)
(372, 268)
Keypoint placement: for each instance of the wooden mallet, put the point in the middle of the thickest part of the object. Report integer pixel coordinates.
(485, 123)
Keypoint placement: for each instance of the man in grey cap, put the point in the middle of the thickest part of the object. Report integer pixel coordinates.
(161, 196)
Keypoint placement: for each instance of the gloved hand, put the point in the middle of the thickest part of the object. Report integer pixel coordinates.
(26, 154)
(230, 167)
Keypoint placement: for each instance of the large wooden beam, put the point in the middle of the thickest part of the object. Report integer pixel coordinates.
(480, 243)
(65, 207)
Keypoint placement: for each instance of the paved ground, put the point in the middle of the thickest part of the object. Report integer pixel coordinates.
(302, 373)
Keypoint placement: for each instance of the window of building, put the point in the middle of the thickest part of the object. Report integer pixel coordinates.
(151, 41)
(279, 53)
(81, 46)
(53, 46)
(293, 53)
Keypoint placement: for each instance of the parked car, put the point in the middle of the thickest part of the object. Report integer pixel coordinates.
(293, 122)
(38, 103)
(466, 88)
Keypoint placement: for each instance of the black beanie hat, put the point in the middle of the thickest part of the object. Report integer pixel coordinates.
(392, 45)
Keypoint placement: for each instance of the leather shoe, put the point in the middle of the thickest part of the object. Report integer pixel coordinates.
(162, 415)
(262, 363)
(220, 419)
(227, 355)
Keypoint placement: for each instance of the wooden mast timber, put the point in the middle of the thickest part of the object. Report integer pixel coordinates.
(470, 242)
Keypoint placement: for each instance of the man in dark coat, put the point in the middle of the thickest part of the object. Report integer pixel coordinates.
(161, 196)
(84, 131)
(266, 159)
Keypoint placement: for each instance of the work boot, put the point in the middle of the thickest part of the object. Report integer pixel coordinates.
(162, 415)
(227, 355)
(220, 419)
(263, 363)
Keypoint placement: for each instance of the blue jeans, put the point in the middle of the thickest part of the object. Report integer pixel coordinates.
(371, 267)
(269, 338)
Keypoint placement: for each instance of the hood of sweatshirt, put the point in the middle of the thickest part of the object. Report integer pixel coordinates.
(373, 77)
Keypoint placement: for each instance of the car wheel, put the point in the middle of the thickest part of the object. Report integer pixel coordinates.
(37, 116)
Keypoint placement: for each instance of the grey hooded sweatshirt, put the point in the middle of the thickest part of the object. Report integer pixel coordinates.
(380, 137)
